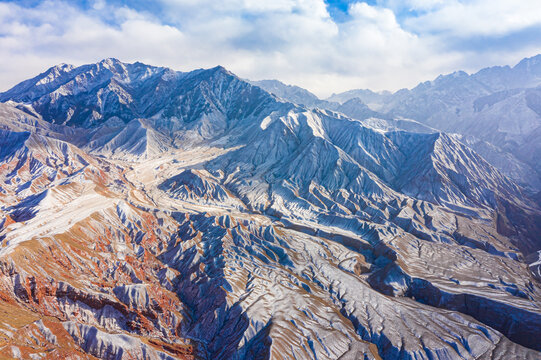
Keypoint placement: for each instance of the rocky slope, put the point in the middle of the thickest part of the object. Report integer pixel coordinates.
(147, 213)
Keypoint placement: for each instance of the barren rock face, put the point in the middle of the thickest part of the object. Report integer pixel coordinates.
(150, 214)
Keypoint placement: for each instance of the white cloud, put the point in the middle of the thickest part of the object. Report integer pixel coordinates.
(295, 41)
(469, 18)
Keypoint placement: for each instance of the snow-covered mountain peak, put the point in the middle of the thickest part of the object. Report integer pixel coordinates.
(530, 64)
(110, 62)
(54, 73)
(92, 94)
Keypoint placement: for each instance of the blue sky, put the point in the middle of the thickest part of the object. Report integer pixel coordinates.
(325, 46)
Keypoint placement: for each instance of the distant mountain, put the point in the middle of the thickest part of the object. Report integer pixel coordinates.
(375, 100)
(150, 213)
(498, 106)
(356, 109)
(289, 93)
(456, 98)
(353, 107)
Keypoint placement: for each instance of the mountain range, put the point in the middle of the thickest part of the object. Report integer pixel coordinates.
(496, 111)
(149, 213)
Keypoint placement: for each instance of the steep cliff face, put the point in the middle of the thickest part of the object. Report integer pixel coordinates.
(196, 216)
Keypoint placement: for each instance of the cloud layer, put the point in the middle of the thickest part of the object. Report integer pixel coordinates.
(386, 45)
